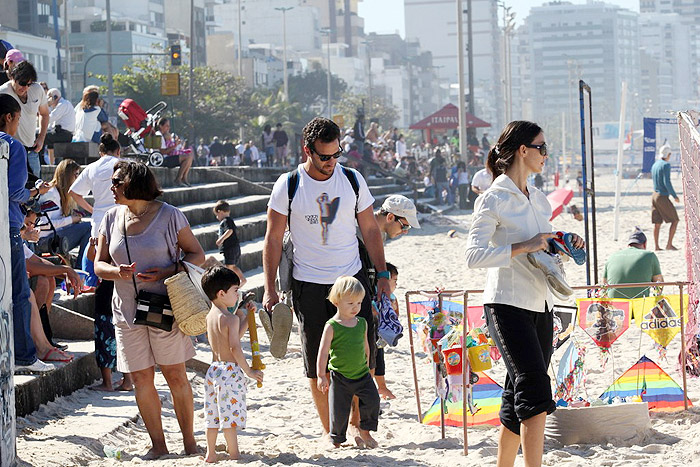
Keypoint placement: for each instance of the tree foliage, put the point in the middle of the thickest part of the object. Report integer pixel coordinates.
(384, 112)
(222, 102)
(273, 109)
(310, 91)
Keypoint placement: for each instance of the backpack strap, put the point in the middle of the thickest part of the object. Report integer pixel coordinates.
(292, 185)
(352, 178)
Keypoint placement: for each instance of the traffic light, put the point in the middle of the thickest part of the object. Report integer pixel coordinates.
(175, 55)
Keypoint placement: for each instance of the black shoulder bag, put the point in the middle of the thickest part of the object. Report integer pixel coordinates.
(152, 309)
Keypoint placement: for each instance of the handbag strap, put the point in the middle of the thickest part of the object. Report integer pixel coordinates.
(128, 255)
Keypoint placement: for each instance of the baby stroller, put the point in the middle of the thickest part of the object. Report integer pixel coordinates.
(143, 142)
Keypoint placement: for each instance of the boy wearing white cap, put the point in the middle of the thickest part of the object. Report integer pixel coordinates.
(396, 217)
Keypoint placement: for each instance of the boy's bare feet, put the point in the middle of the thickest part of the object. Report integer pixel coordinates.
(355, 434)
(671, 247)
(367, 439)
(385, 393)
(210, 457)
(235, 455)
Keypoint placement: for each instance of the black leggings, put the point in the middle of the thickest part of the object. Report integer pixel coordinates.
(524, 339)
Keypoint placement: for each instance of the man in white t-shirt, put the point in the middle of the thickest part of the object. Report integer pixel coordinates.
(33, 102)
(96, 178)
(322, 219)
(481, 181)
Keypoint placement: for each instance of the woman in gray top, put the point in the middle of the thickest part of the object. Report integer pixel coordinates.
(156, 233)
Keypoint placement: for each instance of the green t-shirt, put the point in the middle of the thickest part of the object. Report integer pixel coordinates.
(629, 266)
(347, 354)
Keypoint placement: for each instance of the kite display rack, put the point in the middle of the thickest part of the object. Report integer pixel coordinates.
(465, 358)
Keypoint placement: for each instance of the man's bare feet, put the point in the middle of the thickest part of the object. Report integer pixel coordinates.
(657, 248)
(385, 393)
(124, 386)
(367, 439)
(671, 247)
(192, 448)
(154, 454)
(102, 387)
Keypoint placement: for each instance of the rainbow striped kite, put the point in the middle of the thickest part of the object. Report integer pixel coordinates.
(486, 396)
(646, 379)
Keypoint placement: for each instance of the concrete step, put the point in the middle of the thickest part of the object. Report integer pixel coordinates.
(248, 228)
(33, 390)
(210, 192)
(378, 190)
(202, 214)
(198, 175)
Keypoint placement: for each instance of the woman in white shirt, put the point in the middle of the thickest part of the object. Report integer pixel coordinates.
(70, 231)
(511, 219)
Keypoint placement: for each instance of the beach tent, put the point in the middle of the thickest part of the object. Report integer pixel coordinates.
(486, 396)
(446, 119)
(646, 379)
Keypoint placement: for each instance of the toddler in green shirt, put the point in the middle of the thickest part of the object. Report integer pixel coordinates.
(345, 341)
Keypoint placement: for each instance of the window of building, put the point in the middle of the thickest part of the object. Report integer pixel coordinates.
(77, 53)
(75, 26)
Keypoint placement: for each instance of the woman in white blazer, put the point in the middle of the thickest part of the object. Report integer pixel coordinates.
(510, 220)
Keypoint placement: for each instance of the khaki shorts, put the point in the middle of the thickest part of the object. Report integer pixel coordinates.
(142, 347)
(662, 210)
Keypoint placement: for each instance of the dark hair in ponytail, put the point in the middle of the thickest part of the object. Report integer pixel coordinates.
(108, 145)
(515, 134)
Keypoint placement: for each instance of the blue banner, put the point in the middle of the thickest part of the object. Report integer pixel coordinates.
(649, 146)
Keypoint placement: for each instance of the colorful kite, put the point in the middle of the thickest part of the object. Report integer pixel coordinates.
(564, 322)
(571, 377)
(641, 305)
(646, 379)
(486, 397)
(603, 319)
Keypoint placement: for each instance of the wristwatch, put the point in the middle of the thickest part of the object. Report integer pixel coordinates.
(383, 275)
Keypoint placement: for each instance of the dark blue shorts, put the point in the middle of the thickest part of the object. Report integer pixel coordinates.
(524, 339)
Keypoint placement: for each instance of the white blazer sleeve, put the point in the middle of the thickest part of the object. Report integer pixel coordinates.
(480, 251)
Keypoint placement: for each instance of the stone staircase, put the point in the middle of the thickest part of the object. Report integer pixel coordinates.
(246, 190)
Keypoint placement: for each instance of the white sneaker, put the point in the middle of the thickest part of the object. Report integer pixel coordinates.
(37, 367)
(553, 269)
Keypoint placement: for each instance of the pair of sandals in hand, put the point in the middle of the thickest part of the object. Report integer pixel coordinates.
(277, 325)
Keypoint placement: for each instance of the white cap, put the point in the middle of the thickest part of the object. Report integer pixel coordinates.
(664, 151)
(401, 206)
(54, 92)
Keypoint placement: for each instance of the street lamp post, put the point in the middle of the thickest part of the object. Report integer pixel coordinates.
(110, 85)
(240, 42)
(460, 76)
(508, 28)
(284, 11)
(328, 76)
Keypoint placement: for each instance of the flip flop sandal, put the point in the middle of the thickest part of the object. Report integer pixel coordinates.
(266, 321)
(281, 326)
(57, 355)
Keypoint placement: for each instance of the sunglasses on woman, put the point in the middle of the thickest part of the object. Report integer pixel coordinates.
(117, 182)
(541, 147)
(327, 157)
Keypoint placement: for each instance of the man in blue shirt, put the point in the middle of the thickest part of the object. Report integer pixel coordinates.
(662, 209)
(14, 152)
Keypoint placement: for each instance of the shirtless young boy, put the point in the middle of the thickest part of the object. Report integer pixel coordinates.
(224, 400)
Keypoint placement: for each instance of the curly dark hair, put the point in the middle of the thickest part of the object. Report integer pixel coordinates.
(139, 181)
(320, 128)
(514, 135)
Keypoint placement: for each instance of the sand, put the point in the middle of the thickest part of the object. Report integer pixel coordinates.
(283, 427)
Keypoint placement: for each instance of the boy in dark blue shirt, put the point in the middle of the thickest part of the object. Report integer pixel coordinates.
(228, 239)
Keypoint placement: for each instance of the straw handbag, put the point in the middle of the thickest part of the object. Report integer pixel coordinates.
(190, 305)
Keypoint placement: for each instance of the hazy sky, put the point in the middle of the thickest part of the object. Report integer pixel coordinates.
(386, 16)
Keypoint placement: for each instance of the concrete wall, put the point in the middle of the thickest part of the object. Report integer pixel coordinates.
(7, 385)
